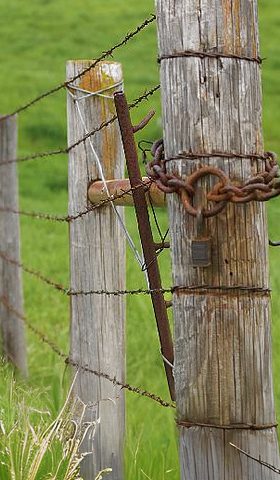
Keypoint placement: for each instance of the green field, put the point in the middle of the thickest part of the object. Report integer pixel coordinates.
(37, 38)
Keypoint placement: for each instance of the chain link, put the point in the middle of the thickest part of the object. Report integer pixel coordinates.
(261, 187)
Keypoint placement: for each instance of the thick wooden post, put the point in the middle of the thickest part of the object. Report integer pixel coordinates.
(97, 261)
(12, 329)
(222, 370)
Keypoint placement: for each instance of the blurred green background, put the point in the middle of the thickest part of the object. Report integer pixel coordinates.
(37, 38)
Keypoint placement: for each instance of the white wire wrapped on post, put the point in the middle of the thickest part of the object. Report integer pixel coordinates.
(77, 99)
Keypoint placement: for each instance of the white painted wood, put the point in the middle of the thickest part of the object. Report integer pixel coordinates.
(97, 261)
(223, 371)
(12, 329)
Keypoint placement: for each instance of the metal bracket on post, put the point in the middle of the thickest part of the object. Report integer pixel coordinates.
(148, 245)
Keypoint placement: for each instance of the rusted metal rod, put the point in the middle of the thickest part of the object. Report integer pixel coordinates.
(149, 251)
(97, 192)
(162, 245)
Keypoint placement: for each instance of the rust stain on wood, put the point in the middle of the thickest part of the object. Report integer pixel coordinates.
(94, 80)
(227, 25)
(237, 23)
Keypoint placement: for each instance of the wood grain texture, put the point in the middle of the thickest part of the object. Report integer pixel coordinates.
(97, 258)
(12, 329)
(222, 370)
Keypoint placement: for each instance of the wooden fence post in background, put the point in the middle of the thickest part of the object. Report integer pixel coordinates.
(223, 373)
(12, 329)
(97, 261)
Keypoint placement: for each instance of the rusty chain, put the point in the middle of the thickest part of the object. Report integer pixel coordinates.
(85, 368)
(260, 187)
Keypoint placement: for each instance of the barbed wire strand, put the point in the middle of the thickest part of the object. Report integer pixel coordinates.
(200, 288)
(66, 150)
(104, 55)
(256, 459)
(74, 217)
(44, 339)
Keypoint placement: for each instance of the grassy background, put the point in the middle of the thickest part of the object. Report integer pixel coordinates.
(37, 38)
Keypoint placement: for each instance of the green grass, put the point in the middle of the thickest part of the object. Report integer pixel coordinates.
(37, 38)
(33, 446)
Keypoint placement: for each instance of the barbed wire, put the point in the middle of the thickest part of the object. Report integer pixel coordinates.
(256, 459)
(104, 55)
(199, 289)
(81, 214)
(66, 150)
(68, 361)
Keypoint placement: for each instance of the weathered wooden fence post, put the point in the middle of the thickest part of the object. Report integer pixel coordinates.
(222, 340)
(12, 329)
(97, 261)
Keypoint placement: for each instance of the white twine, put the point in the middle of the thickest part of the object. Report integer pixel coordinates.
(99, 164)
(97, 93)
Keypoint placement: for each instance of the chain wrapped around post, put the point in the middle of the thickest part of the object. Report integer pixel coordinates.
(261, 187)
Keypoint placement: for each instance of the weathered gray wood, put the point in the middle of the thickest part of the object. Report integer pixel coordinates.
(12, 329)
(97, 261)
(223, 370)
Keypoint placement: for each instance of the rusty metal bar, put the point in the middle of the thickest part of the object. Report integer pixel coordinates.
(149, 251)
(97, 192)
(162, 245)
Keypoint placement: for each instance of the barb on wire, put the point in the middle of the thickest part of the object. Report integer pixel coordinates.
(104, 55)
(71, 218)
(199, 289)
(34, 273)
(44, 339)
(66, 150)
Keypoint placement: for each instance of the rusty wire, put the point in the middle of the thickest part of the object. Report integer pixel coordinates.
(256, 459)
(72, 218)
(199, 54)
(234, 426)
(193, 289)
(104, 55)
(66, 150)
(44, 339)
(260, 187)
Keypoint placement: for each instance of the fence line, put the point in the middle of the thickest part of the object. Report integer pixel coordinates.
(139, 291)
(44, 339)
(62, 85)
(66, 150)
